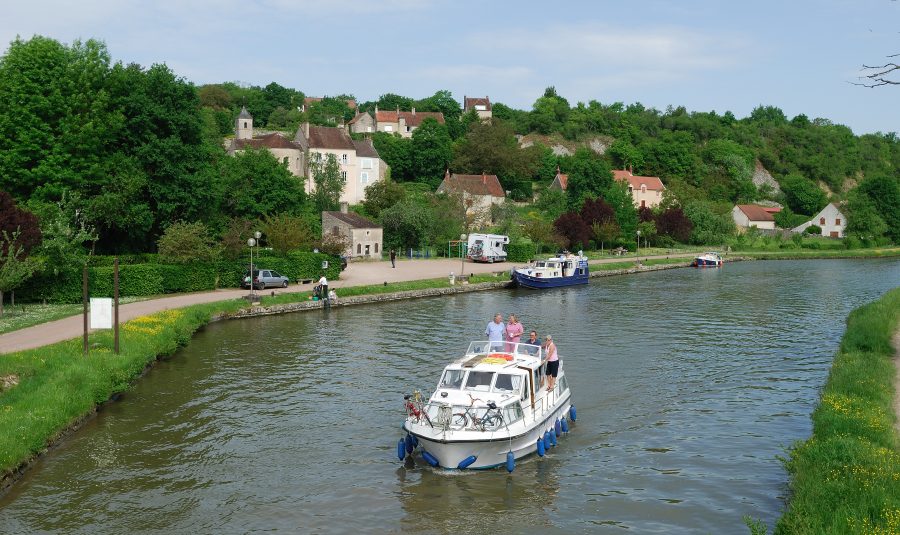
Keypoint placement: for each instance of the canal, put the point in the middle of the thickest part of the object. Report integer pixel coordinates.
(689, 384)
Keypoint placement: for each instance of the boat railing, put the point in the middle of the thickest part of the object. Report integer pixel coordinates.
(501, 349)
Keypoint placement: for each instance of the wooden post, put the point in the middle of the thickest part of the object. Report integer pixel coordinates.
(116, 305)
(84, 298)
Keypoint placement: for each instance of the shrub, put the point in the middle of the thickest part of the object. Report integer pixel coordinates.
(521, 251)
(813, 229)
(187, 242)
(287, 233)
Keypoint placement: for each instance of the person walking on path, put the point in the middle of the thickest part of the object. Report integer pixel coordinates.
(393, 258)
(552, 363)
(323, 287)
(494, 331)
(514, 332)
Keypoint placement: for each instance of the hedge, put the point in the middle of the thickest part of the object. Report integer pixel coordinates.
(520, 251)
(141, 280)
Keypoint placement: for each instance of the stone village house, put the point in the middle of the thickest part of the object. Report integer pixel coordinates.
(832, 221)
(646, 191)
(363, 236)
(479, 193)
(402, 122)
(359, 162)
(482, 107)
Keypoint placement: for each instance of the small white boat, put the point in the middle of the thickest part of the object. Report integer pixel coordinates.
(491, 407)
(711, 259)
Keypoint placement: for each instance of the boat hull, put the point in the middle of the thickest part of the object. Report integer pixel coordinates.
(540, 283)
(702, 262)
(489, 452)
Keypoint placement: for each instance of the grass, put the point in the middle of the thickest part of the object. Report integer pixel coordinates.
(43, 391)
(882, 252)
(846, 477)
(29, 314)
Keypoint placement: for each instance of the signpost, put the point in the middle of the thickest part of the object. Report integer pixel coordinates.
(104, 311)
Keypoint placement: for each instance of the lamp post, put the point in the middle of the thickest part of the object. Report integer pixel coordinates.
(462, 256)
(250, 243)
(637, 251)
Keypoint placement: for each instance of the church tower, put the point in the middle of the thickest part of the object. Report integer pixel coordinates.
(243, 126)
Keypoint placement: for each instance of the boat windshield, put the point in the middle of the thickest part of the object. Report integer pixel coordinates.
(505, 348)
(507, 382)
(452, 379)
(540, 264)
(479, 381)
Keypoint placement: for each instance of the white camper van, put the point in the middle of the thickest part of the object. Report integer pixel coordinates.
(487, 247)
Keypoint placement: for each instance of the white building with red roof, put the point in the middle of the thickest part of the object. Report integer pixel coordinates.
(403, 122)
(560, 181)
(479, 193)
(753, 215)
(482, 106)
(830, 219)
(646, 191)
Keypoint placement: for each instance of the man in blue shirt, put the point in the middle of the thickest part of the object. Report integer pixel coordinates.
(494, 332)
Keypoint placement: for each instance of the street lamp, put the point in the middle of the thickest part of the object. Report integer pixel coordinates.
(250, 243)
(637, 252)
(462, 256)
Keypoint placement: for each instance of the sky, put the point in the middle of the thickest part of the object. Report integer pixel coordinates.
(799, 55)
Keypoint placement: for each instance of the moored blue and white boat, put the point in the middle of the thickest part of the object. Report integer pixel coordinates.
(554, 272)
(711, 259)
(491, 407)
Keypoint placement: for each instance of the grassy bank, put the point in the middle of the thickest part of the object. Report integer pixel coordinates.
(846, 477)
(801, 254)
(28, 314)
(44, 391)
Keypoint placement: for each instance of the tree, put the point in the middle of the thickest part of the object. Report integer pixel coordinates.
(552, 203)
(258, 184)
(673, 223)
(431, 151)
(618, 196)
(19, 222)
(285, 233)
(396, 152)
(183, 243)
(443, 102)
(572, 227)
(883, 191)
(647, 230)
(597, 211)
(606, 231)
(382, 195)
(234, 238)
(802, 195)
(328, 183)
(709, 226)
(406, 225)
(491, 147)
(542, 232)
(879, 75)
(65, 231)
(863, 220)
(589, 176)
(549, 112)
(15, 266)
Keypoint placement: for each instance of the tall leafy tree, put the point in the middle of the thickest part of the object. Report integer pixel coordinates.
(491, 147)
(18, 222)
(326, 175)
(884, 192)
(802, 195)
(257, 184)
(431, 151)
(589, 176)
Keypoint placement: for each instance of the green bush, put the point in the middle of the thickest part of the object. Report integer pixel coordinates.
(813, 229)
(520, 251)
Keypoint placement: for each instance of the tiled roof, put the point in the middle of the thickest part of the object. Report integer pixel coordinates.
(329, 137)
(354, 220)
(653, 183)
(473, 184)
(411, 118)
(562, 180)
(244, 114)
(365, 149)
(269, 141)
(359, 117)
(754, 212)
(471, 102)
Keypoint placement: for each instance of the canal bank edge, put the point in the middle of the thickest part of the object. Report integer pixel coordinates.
(843, 479)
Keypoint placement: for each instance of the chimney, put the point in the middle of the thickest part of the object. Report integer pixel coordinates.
(630, 169)
(306, 131)
(376, 108)
(483, 177)
(414, 110)
(344, 207)
(557, 169)
(465, 107)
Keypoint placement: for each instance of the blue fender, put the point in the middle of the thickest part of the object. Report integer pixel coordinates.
(465, 463)
(572, 413)
(565, 425)
(510, 462)
(401, 449)
(552, 438)
(429, 458)
(409, 444)
(547, 443)
(557, 428)
(541, 450)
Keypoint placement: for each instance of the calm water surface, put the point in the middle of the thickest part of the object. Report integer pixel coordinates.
(688, 385)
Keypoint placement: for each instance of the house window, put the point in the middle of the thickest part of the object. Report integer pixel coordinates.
(367, 163)
(643, 189)
(376, 247)
(408, 129)
(388, 128)
(368, 129)
(837, 222)
(344, 159)
(335, 231)
(344, 175)
(364, 177)
(821, 221)
(358, 248)
(643, 204)
(481, 107)
(245, 124)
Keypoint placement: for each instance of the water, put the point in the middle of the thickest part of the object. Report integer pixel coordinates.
(688, 384)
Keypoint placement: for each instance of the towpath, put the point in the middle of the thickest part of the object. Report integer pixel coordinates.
(356, 274)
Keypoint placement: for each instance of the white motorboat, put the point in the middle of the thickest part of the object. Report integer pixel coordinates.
(710, 259)
(491, 407)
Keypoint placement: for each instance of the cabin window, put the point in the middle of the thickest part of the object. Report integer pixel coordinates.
(452, 379)
(563, 384)
(507, 383)
(512, 413)
(480, 381)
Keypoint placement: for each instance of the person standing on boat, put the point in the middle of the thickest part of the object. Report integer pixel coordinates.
(533, 344)
(514, 332)
(495, 331)
(552, 363)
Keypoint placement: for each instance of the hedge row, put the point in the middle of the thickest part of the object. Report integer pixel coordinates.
(520, 251)
(139, 280)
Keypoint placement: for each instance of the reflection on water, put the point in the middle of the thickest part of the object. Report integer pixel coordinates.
(688, 384)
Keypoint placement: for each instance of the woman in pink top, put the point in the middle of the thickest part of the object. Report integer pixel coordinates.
(552, 363)
(514, 331)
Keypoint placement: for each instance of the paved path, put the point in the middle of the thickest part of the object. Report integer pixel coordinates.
(356, 274)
